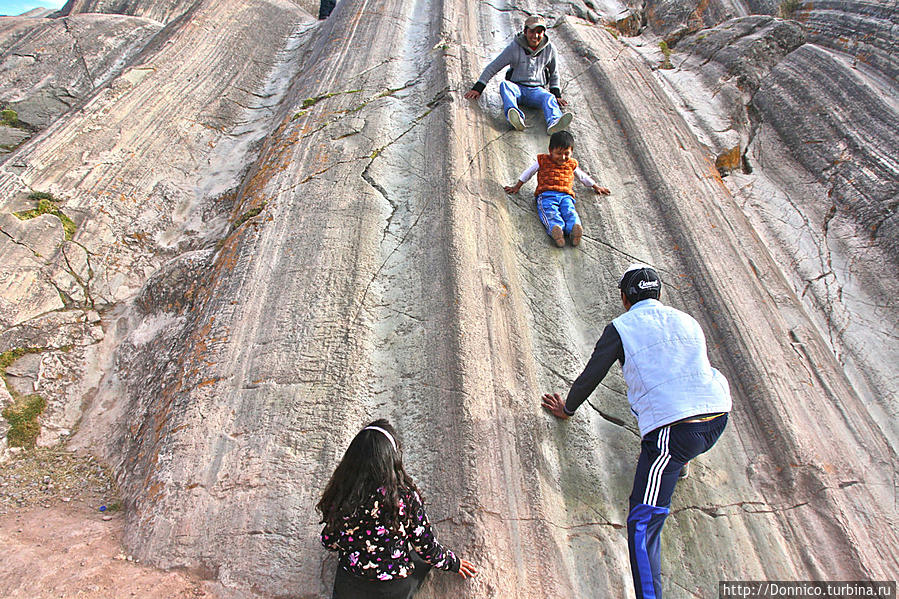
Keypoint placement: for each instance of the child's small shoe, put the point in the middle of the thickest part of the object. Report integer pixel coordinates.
(577, 231)
(560, 124)
(515, 119)
(558, 236)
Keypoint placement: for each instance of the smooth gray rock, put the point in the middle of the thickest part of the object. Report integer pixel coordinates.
(864, 30)
(49, 66)
(162, 11)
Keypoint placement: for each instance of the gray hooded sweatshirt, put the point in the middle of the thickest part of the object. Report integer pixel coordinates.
(527, 65)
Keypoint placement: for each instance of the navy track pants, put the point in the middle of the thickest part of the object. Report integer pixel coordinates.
(663, 453)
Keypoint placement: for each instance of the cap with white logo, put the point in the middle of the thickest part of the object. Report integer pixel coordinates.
(639, 282)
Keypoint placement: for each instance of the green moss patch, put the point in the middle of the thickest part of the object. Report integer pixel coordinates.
(10, 118)
(8, 357)
(46, 206)
(247, 216)
(22, 416)
(666, 52)
(310, 102)
(23, 412)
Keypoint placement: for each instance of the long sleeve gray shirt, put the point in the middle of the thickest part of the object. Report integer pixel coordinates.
(529, 67)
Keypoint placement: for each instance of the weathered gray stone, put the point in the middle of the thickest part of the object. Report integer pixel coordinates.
(48, 66)
(162, 11)
(865, 30)
(672, 19)
(745, 49)
(841, 130)
(11, 137)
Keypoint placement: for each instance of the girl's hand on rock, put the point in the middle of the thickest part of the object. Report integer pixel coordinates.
(467, 569)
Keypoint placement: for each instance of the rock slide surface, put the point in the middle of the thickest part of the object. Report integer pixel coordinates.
(282, 229)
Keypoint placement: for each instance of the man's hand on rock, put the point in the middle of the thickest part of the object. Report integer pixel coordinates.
(555, 405)
(472, 95)
(562, 102)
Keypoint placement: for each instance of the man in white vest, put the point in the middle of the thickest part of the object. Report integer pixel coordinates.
(680, 401)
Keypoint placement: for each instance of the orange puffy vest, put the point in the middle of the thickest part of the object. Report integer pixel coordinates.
(554, 177)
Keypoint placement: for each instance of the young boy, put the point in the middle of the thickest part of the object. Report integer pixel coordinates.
(555, 193)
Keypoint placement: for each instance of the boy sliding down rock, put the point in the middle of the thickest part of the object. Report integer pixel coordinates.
(555, 193)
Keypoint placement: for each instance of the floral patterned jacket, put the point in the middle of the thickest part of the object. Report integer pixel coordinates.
(370, 550)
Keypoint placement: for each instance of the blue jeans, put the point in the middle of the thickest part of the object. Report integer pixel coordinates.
(514, 94)
(663, 453)
(557, 208)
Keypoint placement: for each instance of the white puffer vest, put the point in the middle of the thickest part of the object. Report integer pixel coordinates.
(666, 366)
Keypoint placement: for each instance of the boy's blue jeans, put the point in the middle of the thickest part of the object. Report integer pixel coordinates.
(514, 94)
(557, 208)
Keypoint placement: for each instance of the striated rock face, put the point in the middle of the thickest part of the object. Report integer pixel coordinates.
(742, 51)
(265, 231)
(817, 124)
(158, 10)
(865, 31)
(163, 11)
(49, 66)
(672, 19)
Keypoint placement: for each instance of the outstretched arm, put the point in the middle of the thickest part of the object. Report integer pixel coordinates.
(524, 178)
(424, 541)
(608, 349)
(503, 60)
(587, 180)
(553, 83)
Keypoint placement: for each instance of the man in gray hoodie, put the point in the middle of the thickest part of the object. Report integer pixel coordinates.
(533, 66)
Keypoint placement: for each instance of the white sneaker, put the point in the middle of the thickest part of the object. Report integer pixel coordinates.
(560, 124)
(515, 119)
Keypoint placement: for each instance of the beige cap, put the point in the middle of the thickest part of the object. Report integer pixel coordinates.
(535, 21)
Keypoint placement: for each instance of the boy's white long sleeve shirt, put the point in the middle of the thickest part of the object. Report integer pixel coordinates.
(581, 175)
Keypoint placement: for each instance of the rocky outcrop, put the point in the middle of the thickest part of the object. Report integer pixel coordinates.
(864, 31)
(673, 19)
(283, 229)
(742, 51)
(130, 215)
(49, 66)
(813, 123)
(162, 11)
(839, 190)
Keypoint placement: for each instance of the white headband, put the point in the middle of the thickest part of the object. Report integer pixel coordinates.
(386, 434)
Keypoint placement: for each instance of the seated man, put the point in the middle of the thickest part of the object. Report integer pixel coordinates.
(533, 65)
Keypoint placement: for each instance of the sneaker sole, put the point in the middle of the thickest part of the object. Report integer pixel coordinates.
(515, 120)
(577, 231)
(562, 125)
(558, 236)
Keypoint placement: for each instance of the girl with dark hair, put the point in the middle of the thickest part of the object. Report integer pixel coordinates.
(375, 519)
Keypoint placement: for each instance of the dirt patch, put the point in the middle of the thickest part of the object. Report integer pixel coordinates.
(56, 543)
(44, 476)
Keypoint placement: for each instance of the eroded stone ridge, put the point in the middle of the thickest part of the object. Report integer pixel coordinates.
(49, 66)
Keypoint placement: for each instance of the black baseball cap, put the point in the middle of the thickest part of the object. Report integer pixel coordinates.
(640, 282)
